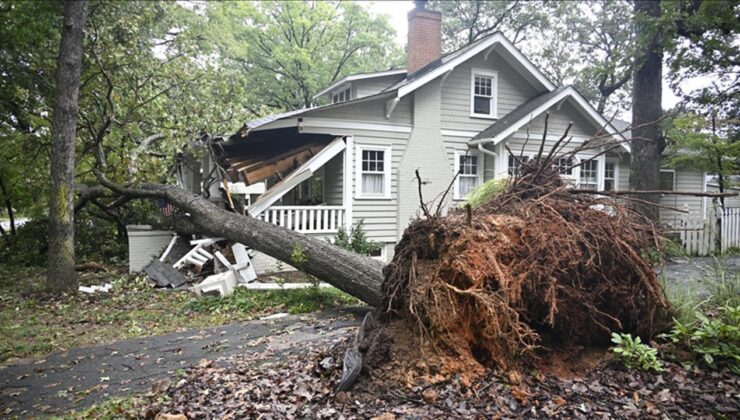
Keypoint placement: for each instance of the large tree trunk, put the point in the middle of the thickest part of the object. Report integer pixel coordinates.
(648, 142)
(355, 274)
(61, 275)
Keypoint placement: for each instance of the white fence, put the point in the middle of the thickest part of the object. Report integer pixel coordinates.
(703, 235)
(305, 219)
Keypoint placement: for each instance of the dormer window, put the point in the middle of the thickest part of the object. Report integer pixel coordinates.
(342, 94)
(483, 87)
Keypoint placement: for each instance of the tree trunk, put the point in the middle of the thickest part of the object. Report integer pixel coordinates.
(8, 206)
(61, 275)
(355, 274)
(648, 142)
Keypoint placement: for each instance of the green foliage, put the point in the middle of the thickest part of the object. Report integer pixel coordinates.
(704, 144)
(290, 50)
(355, 240)
(294, 301)
(485, 192)
(713, 340)
(635, 354)
(96, 239)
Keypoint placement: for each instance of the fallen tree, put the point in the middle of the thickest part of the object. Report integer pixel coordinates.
(358, 275)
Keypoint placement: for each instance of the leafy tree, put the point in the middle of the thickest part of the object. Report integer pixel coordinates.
(288, 51)
(704, 144)
(464, 22)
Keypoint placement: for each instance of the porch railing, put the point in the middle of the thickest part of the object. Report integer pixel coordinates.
(305, 219)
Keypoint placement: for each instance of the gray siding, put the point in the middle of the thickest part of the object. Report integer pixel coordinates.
(686, 180)
(370, 111)
(367, 87)
(333, 180)
(425, 152)
(558, 122)
(513, 90)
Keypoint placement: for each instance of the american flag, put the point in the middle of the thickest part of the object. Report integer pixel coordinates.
(167, 208)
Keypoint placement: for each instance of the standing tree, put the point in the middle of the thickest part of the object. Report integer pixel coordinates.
(648, 142)
(61, 275)
(288, 51)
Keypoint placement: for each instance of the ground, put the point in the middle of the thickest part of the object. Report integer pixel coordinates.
(262, 366)
(33, 324)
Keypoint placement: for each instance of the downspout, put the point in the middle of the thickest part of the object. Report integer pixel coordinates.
(489, 153)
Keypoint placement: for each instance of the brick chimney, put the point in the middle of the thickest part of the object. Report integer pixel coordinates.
(424, 37)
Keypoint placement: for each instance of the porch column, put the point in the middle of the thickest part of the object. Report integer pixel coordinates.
(347, 178)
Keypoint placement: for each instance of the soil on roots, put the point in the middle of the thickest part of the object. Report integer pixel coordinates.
(480, 287)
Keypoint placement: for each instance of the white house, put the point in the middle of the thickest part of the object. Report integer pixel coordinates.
(355, 157)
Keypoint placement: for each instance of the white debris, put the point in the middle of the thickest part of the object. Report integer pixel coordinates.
(106, 287)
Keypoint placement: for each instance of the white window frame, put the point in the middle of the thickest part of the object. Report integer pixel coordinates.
(673, 171)
(599, 171)
(387, 159)
(479, 167)
(494, 92)
(345, 87)
(615, 161)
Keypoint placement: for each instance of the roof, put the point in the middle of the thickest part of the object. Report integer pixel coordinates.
(360, 76)
(535, 107)
(519, 113)
(260, 123)
(447, 63)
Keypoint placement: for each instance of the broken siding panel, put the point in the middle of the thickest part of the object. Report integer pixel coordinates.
(333, 180)
(513, 90)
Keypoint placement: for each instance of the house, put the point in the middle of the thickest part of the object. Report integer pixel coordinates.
(354, 157)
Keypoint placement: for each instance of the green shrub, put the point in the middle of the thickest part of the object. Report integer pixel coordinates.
(635, 354)
(485, 192)
(355, 240)
(713, 340)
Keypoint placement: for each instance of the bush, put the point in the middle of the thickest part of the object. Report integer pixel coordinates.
(95, 239)
(356, 240)
(485, 192)
(635, 354)
(713, 340)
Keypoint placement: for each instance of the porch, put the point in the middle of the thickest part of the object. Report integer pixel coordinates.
(306, 219)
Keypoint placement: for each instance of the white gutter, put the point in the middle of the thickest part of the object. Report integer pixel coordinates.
(486, 151)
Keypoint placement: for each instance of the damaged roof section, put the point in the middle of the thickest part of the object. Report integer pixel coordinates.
(260, 156)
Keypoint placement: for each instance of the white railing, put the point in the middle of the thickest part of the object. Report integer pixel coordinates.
(305, 219)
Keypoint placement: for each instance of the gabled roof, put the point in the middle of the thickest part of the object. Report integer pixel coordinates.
(360, 76)
(496, 41)
(533, 108)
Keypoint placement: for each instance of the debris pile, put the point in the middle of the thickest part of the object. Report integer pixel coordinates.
(538, 261)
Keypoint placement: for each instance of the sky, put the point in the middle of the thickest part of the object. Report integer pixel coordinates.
(397, 11)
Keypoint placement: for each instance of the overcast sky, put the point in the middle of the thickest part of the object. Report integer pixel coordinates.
(397, 10)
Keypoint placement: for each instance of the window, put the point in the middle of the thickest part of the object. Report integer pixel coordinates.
(467, 168)
(589, 177)
(373, 172)
(563, 165)
(515, 162)
(667, 180)
(341, 95)
(483, 93)
(610, 176)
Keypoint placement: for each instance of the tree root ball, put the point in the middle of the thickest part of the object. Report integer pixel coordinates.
(536, 260)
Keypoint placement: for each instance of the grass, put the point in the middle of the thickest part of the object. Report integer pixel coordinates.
(130, 407)
(721, 289)
(33, 323)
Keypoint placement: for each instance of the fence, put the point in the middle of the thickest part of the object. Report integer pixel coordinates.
(702, 235)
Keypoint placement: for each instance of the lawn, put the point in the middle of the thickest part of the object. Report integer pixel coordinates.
(34, 323)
